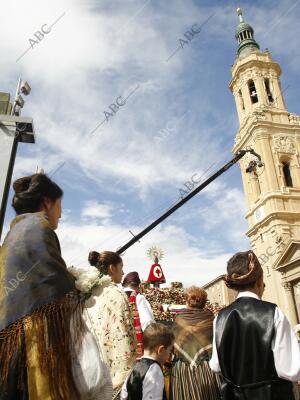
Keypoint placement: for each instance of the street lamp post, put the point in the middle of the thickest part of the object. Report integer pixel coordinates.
(13, 129)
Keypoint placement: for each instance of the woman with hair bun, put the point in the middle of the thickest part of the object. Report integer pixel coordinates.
(42, 331)
(192, 379)
(110, 317)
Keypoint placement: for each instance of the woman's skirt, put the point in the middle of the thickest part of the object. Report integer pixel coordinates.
(194, 383)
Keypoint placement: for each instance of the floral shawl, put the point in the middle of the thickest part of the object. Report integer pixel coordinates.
(112, 322)
(193, 330)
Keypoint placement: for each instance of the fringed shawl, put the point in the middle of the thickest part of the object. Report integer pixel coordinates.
(37, 290)
(193, 330)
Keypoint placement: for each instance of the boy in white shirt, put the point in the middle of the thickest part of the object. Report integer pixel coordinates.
(146, 380)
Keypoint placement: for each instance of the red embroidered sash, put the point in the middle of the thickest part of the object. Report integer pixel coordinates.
(137, 324)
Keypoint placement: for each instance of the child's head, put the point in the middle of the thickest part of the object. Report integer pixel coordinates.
(158, 341)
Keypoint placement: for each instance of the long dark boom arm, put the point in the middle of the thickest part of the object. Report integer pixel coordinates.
(225, 167)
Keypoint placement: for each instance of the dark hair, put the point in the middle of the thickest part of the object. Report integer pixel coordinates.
(103, 260)
(31, 190)
(157, 335)
(196, 297)
(239, 264)
(132, 280)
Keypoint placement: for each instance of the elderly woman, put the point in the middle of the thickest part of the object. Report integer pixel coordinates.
(192, 378)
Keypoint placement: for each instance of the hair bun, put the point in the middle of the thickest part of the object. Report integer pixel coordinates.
(22, 184)
(93, 258)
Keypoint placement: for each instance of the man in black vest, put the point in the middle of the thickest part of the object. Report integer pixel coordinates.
(254, 346)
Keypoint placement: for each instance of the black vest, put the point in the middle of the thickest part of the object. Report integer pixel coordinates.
(244, 334)
(136, 378)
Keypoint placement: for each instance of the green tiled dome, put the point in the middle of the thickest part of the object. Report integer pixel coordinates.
(243, 26)
(246, 41)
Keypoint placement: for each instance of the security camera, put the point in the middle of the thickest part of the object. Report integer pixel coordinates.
(21, 125)
(25, 88)
(251, 167)
(17, 110)
(20, 101)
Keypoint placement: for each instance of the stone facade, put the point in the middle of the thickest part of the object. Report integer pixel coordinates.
(272, 192)
(218, 292)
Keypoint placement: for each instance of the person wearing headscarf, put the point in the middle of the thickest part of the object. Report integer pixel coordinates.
(254, 348)
(191, 377)
(42, 331)
(140, 307)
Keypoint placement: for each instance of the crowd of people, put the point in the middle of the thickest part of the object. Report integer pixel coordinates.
(165, 302)
(89, 333)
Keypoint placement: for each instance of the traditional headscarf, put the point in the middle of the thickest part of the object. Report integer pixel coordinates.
(131, 277)
(254, 273)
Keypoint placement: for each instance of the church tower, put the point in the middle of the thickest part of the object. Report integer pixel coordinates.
(273, 191)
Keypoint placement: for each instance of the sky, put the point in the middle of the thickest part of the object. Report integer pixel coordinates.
(127, 110)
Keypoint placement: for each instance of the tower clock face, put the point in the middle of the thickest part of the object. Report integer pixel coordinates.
(157, 272)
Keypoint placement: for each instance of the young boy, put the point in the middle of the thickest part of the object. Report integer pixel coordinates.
(254, 346)
(146, 380)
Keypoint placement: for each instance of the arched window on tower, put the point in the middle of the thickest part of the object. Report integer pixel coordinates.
(268, 90)
(287, 174)
(241, 100)
(252, 91)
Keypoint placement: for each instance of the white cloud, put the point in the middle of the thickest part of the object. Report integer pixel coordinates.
(94, 209)
(182, 262)
(99, 51)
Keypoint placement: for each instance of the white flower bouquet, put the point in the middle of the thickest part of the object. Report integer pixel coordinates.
(85, 278)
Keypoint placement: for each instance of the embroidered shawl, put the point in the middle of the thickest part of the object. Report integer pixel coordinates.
(112, 321)
(193, 330)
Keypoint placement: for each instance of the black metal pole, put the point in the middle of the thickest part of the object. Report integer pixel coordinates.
(8, 181)
(225, 167)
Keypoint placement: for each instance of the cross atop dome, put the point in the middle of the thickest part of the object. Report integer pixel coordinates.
(240, 14)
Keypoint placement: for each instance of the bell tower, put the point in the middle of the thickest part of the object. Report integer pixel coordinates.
(272, 192)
